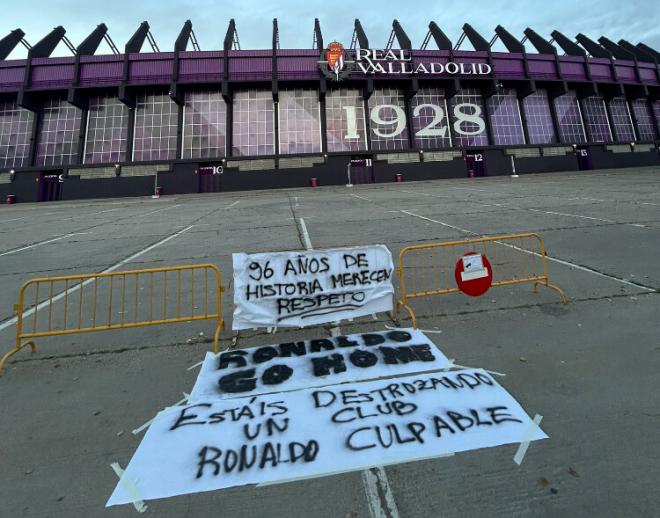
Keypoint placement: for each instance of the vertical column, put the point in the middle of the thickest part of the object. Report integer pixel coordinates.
(276, 132)
(179, 131)
(409, 122)
(84, 123)
(654, 118)
(229, 132)
(633, 120)
(610, 120)
(489, 128)
(324, 125)
(523, 118)
(555, 119)
(36, 126)
(130, 134)
(367, 123)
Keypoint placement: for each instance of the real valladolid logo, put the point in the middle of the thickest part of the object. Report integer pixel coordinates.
(336, 63)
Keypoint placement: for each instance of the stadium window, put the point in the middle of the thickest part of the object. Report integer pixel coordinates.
(569, 118)
(15, 129)
(204, 124)
(345, 120)
(253, 123)
(299, 113)
(504, 116)
(107, 131)
(387, 116)
(155, 127)
(57, 140)
(621, 120)
(430, 119)
(467, 118)
(540, 127)
(595, 119)
(642, 113)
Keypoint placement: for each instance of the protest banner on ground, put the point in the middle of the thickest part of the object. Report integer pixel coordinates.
(314, 363)
(302, 288)
(314, 432)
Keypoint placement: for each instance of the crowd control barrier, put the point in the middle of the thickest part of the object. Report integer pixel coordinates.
(428, 269)
(73, 304)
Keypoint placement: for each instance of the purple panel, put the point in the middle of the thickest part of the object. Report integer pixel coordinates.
(626, 72)
(571, 128)
(504, 116)
(621, 121)
(107, 72)
(542, 68)
(204, 69)
(656, 110)
(642, 113)
(252, 65)
(602, 72)
(540, 127)
(595, 119)
(51, 75)
(151, 71)
(508, 67)
(298, 67)
(11, 77)
(468, 125)
(571, 70)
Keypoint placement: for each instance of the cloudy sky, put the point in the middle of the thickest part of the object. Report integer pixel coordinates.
(634, 20)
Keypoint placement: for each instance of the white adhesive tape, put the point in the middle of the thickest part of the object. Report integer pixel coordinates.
(522, 449)
(130, 488)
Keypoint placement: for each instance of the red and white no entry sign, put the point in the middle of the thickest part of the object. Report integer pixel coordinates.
(473, 274)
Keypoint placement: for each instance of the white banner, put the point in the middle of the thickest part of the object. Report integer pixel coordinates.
(296, 289)
(314, 363)
(315, 432)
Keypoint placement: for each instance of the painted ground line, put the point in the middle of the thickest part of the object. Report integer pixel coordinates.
(40, 243)
(305, 235)
(11, 321)
(376, 486)
(379, 493)
(157, 210)
(548, 257)
(361, 197)
(233, 204)
(26, 217)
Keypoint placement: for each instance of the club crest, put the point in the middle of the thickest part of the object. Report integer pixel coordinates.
(334, 62)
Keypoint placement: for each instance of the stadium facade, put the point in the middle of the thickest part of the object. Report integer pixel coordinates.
(197, 121)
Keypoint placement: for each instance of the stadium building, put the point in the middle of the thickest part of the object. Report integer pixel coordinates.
(203, 121)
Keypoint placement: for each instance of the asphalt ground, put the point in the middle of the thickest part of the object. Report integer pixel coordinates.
(591, 368)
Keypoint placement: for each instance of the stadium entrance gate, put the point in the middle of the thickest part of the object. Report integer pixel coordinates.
(209, 179)
(50, 187)
(476, 166)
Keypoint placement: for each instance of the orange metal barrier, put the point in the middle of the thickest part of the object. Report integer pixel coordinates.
(117, 300)
(428, 269)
